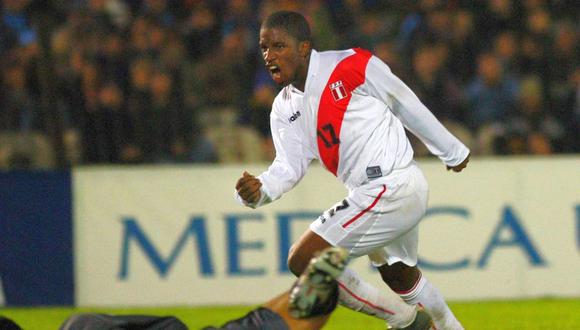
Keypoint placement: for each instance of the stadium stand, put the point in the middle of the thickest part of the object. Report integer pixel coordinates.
(132, 78)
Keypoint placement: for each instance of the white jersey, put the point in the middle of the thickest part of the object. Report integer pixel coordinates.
(351, 116)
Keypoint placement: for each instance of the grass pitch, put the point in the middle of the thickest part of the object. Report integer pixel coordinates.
(524, 314)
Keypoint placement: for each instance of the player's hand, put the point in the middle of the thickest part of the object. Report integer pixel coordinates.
(460, 167)
(248, 187)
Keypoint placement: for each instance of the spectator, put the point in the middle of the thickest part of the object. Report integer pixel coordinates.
(139, 103)
(134, 60)
(201, 31)
(533, 120)
(18, 107)
(370, 30)
(159, 11)
(386, 51)
(463, 46)
(433, 85)
(15, 20)
(112, 59)
(505, 47)
(539, 144)
(224, 79)
(104, 126)
(170, 123)
(562, 88)
(260, 106)
(496, 16)
(492, 94)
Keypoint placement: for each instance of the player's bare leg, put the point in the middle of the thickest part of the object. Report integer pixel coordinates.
(415, 289)
(354, 292)
(307, 246)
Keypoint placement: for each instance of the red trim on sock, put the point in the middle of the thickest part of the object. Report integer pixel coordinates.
(364, 301)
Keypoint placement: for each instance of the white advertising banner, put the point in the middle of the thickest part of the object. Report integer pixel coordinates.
(176, 236)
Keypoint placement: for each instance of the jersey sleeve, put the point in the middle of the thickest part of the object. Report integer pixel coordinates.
(382, 84)
(290, 164)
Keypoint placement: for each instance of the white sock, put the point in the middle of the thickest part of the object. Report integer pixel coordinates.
(359, 295)
(426, 295)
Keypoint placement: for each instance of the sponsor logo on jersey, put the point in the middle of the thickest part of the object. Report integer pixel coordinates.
(294, 116)
(337, 90)
(374, 172)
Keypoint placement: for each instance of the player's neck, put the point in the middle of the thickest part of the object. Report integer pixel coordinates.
(300, 81)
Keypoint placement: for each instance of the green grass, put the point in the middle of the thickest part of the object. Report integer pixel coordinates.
(524, 314)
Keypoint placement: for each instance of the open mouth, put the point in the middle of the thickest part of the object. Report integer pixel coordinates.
(274, 70)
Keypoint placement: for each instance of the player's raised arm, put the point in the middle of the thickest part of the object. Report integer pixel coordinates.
(406, 106)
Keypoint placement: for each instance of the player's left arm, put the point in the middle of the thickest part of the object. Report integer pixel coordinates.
(382, 84)
(460, 167)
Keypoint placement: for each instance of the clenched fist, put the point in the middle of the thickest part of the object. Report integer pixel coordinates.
(460, 167)
(248, 187)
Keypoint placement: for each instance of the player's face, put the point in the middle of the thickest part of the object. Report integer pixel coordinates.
(286, 58)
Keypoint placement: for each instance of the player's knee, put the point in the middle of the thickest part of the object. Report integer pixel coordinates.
(296, 262)
(399, 276)
(292, 261)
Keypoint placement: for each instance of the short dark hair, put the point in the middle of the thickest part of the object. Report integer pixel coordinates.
(294, 23)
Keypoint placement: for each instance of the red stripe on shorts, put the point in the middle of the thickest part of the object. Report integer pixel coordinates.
(366, 302)
(346, 77)
(344, 225)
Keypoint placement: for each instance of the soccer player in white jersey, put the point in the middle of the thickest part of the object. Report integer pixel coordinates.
(348, 110)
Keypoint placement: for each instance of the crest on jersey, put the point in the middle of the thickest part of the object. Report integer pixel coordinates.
(337, 90)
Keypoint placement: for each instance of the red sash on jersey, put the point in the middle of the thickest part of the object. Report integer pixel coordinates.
(346, 77)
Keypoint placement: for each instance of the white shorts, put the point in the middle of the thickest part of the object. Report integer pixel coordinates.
(380, 218)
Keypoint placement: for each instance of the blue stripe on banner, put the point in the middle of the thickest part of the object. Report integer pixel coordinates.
(36, 252)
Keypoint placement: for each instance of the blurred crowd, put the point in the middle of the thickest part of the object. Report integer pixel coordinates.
(180, 81)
